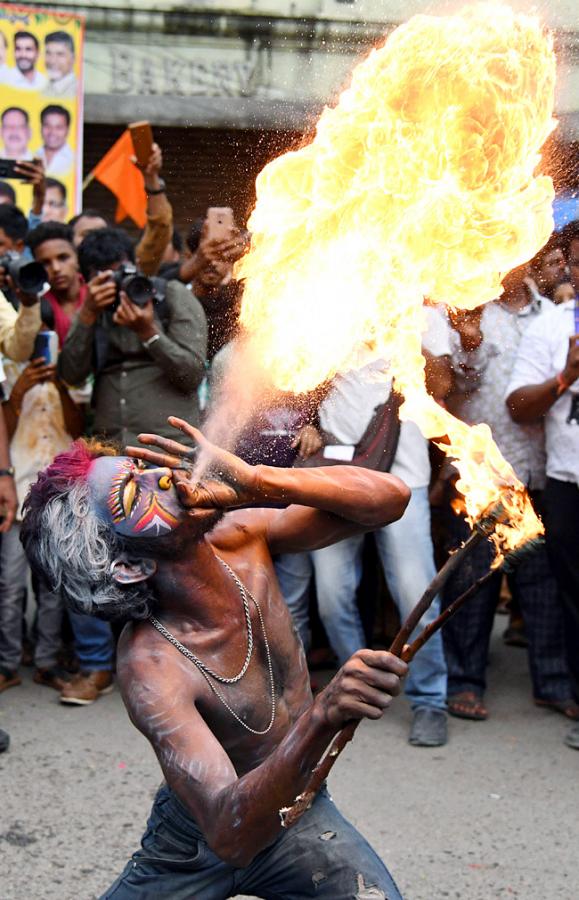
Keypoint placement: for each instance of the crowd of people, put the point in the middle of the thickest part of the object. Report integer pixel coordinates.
(123, 335)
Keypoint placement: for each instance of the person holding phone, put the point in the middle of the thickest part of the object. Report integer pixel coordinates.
(159, 228)
(209, 270)
(41, 420)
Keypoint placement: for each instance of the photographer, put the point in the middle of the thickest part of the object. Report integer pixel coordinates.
(147, 355)
(17, 329)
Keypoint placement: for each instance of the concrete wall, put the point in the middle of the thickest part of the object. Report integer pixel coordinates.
(257, 63)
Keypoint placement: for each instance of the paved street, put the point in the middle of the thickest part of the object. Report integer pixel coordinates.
(492, 815)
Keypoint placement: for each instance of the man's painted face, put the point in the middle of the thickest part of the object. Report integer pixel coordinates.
(136, 501)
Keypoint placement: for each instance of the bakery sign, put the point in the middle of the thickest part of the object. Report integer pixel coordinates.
(176, 72)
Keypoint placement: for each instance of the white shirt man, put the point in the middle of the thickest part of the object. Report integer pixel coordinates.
(545, 384)
(542, 355)
(405, 547)
(482, 375)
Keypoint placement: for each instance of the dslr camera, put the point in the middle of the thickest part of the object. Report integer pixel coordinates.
(138, 288)
(27, 275)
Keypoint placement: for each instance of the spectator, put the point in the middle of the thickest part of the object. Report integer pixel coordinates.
(568, 236)
(345, 415)
(55, 208)
(171, 261)
(209, 269)
(17, 330)
(563, 290)
(7, 193)
(147, 359)
(59, 64)
(26, 52)
(485, 343)
(55, 152)
(159, 227)
(52, 245)
(16, 133)
(9, 501)
(87, 220)
(42, 420)
(547, 267)
(544, 386)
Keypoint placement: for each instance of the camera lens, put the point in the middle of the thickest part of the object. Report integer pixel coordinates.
(139, 289)
(30, 277)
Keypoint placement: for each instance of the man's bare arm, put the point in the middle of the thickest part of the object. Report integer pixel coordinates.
(239, 816)
(533, 401)
(325, 505)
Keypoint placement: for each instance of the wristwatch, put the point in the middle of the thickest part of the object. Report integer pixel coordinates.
(9, 471)
(150, 341)
(159, 190)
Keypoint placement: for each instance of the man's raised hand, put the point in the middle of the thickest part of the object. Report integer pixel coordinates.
(225, 480)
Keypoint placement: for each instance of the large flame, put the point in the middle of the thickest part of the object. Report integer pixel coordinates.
(419, 183)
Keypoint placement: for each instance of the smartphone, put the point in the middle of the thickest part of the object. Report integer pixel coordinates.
(219, 222)
(142, 135)
(7, 170)
(46, 345)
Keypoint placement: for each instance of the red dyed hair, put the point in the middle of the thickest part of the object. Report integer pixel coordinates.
(65, 471)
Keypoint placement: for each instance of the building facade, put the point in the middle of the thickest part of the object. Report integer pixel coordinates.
(228, 84)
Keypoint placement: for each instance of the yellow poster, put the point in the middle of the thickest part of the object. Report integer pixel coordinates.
(41, 100)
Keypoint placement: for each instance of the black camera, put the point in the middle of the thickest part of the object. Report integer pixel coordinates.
(138, 288)
(29, 276)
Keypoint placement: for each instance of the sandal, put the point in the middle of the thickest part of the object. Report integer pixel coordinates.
(567, 708)
(467, 705)
(8, 678)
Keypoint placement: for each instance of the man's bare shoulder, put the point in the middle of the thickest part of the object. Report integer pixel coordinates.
(149, 670)
(240, 528)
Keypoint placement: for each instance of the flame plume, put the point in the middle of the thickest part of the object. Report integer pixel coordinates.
(420, 182)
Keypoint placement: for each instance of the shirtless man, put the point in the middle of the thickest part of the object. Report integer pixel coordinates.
(210, 668)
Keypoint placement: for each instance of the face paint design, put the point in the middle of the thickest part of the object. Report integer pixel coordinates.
(137, 501)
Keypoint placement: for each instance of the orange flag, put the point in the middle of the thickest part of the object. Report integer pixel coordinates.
(116, 171)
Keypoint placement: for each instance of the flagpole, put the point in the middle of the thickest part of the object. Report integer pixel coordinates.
(87, 180)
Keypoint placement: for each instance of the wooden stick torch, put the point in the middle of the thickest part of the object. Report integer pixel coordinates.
(399, 647)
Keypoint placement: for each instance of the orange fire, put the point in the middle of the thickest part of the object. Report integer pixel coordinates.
(420, 182)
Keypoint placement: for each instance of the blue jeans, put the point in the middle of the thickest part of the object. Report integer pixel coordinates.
(406, 554)
(321, 856)
(93, 642)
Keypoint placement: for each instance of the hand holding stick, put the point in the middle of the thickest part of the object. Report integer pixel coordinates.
(399, 647)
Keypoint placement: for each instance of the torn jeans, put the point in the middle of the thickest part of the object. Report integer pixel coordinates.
(321, 856)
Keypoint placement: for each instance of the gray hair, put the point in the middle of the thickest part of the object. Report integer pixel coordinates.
(73, 550)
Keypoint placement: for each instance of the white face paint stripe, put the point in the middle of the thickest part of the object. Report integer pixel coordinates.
(158, 524)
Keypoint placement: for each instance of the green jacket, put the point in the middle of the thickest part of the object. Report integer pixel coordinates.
(137, 388)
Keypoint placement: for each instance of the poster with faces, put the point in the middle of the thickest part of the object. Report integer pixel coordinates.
(41, 93)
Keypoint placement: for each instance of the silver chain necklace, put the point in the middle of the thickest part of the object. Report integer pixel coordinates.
(209, 674)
